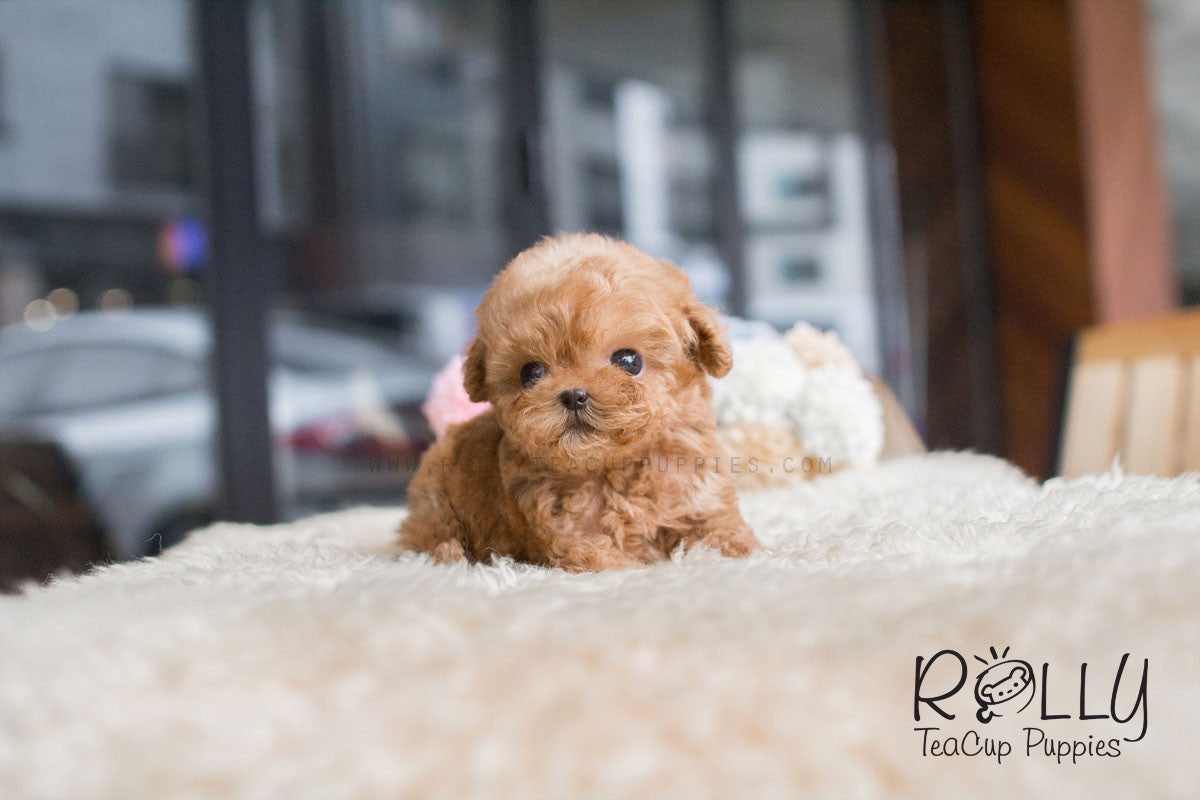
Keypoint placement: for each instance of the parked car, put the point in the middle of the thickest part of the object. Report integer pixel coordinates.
(126, 398)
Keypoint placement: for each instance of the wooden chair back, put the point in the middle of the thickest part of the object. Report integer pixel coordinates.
(1134, 393)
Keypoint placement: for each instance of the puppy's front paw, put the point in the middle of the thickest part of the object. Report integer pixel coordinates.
(736, 543)
(590, 559)
(448, 552)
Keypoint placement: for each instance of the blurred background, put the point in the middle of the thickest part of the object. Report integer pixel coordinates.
(237, 239)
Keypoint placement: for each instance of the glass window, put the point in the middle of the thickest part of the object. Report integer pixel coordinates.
(1175, 32)
(387, 236)
(627, 147)
(421, 139)
(803, 171)
(386, 153)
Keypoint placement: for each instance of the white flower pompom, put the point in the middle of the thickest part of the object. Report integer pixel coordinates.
(765, 380)
(839, 416)
(805, 386)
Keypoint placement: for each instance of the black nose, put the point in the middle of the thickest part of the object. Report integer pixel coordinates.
(573, 399)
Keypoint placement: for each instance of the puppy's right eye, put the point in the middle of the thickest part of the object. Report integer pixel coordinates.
(532, 372)
(628, 360)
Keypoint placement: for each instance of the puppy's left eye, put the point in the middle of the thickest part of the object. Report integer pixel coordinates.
(628, 360)
(532, 372)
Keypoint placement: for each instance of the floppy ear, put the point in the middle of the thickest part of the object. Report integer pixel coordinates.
(708, 346)
(474, 371)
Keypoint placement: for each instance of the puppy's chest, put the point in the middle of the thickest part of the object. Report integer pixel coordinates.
(635, 496)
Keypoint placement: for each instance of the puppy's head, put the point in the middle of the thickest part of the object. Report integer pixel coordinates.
(588, 347)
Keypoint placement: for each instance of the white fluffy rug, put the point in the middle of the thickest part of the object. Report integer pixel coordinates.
(301, 661)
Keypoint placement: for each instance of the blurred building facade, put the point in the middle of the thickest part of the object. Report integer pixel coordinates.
(96, 120)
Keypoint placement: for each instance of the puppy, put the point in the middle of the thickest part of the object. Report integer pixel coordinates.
(599, 449)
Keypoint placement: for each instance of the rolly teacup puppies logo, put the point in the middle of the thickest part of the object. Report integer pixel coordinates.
(1007, 686)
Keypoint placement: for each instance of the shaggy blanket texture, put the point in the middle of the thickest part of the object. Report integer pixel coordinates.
(304, 660)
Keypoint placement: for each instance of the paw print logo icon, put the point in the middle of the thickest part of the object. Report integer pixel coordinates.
(1005, 686)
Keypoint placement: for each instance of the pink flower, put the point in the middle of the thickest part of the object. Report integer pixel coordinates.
(447, 403)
